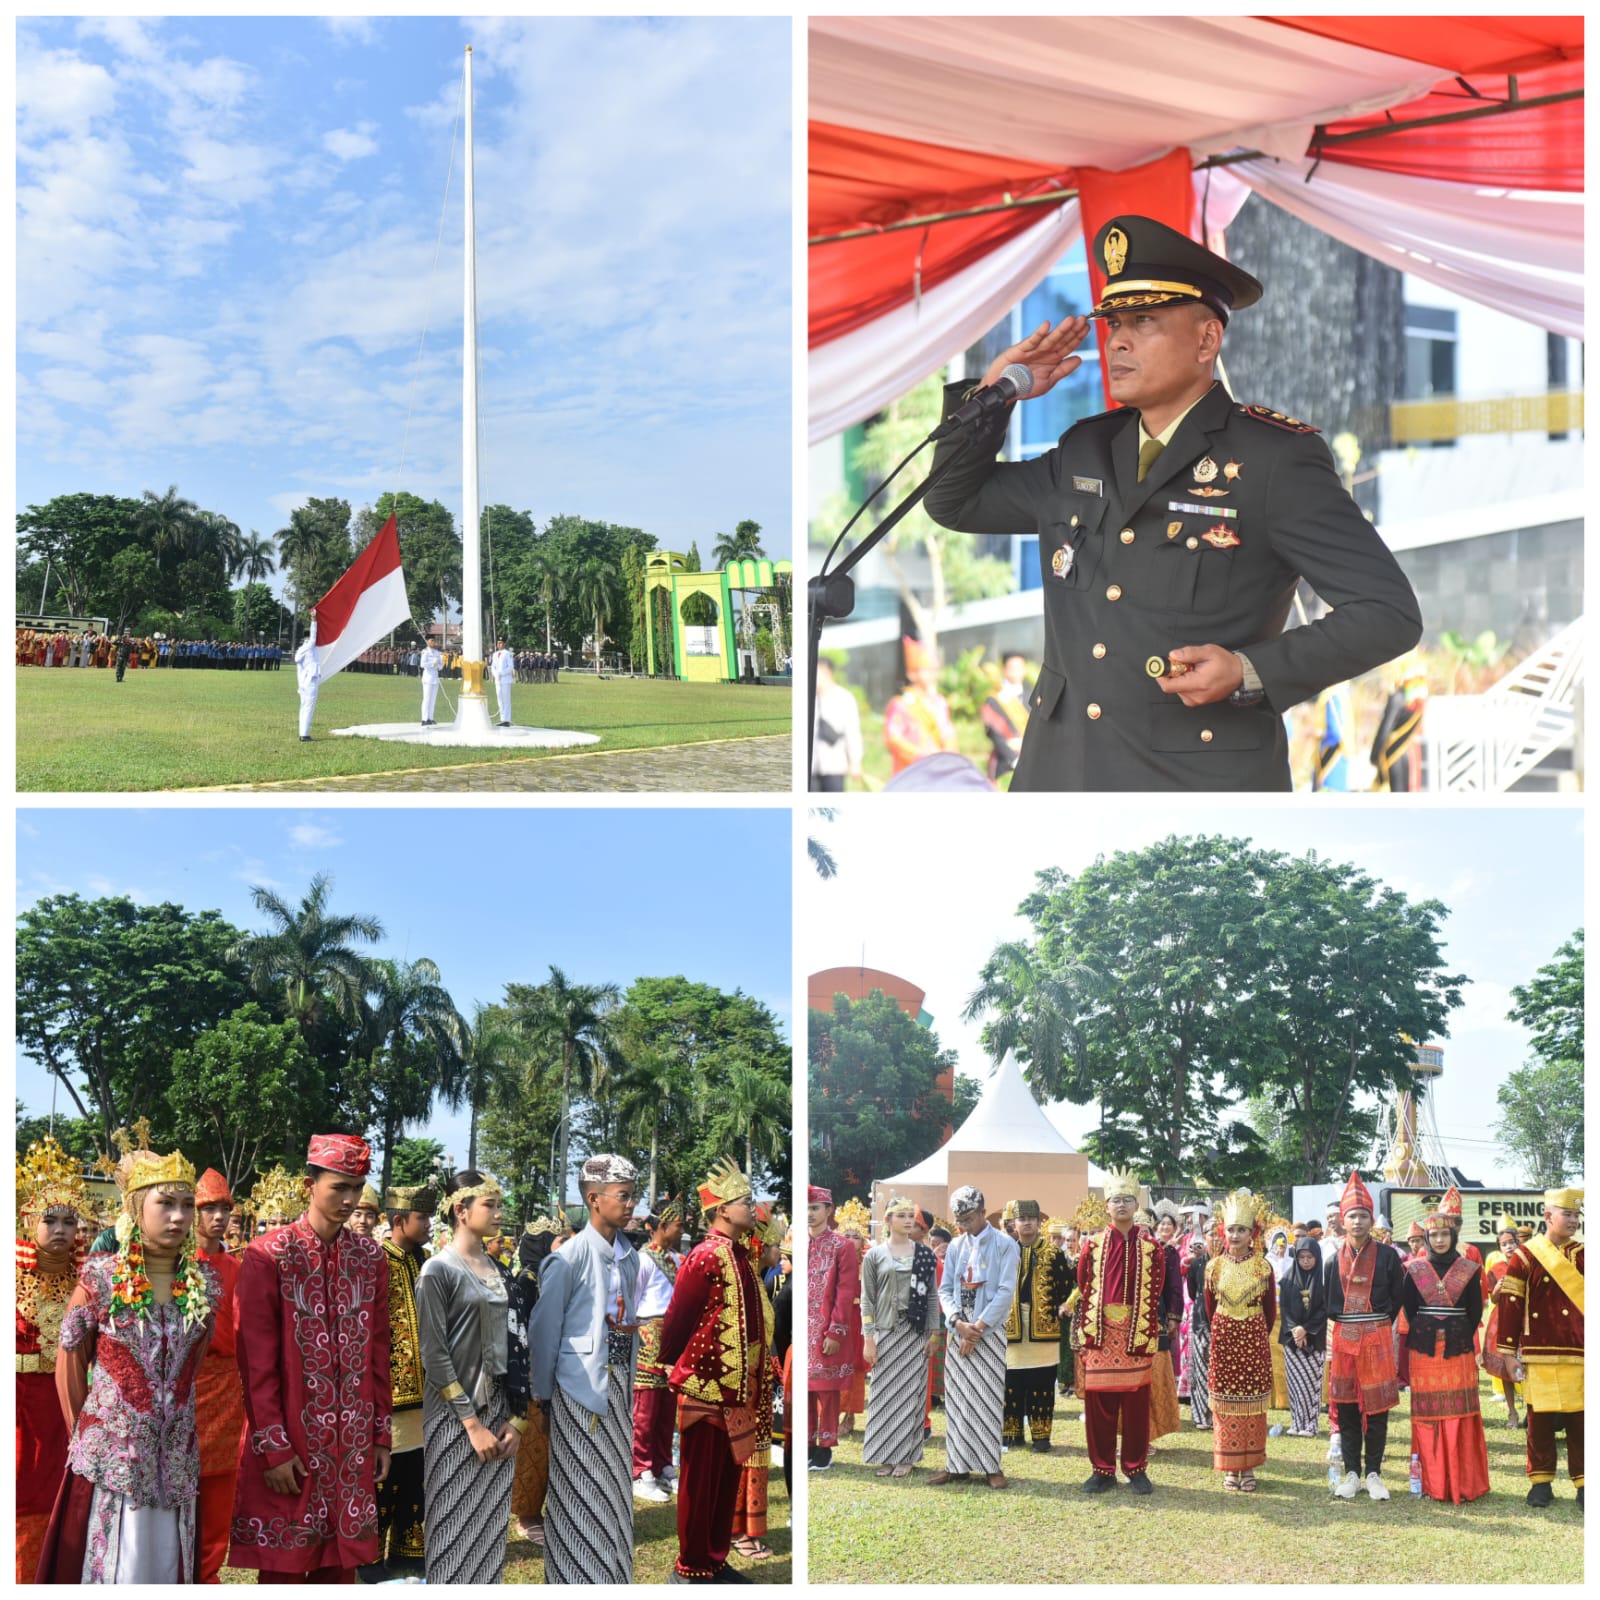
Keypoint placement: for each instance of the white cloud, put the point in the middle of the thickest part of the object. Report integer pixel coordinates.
(313, 836)
(350, 144)
(59, 92)
(351, 30)
(235, 172)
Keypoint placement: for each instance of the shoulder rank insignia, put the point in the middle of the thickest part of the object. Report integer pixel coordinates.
(1278, 419)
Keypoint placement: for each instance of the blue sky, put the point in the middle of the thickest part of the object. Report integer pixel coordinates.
(226, 232)
(607, 895)
(1511, 876)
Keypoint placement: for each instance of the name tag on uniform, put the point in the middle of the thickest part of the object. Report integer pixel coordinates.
(1230, 512)
(1088, 485)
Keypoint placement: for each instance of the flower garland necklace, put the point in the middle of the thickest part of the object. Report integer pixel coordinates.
(133, 1291)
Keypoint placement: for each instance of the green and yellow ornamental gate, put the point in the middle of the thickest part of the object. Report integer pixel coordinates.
(703, 650)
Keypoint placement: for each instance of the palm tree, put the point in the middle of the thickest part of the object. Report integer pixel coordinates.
(551, 583)
(415, 1024)
(823, 861)
(491, 1061)
(653, 1092)
(1036, 1004)
(307, 959)
(597, 593)
(743, 544)
(757, 1102)
(255, 557)
(572, 1021)
(166, 521)
(300, 547)
(214, 534)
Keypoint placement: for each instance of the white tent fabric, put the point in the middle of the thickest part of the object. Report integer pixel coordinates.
(1111, 91)
(852, 377)
(1479, 243)
(1006, 1120)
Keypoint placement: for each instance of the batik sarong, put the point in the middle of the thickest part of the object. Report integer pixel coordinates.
(895, 1396)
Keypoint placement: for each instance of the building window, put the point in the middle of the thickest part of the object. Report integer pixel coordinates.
(1064, 293)
(1430, 353)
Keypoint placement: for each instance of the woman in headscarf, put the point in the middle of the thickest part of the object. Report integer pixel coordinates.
(1241, 1300)
(899, 1318)
(1304, 1336)
(475, 1398)
(1443, 1300)
(532, 1478)
(136, 1330)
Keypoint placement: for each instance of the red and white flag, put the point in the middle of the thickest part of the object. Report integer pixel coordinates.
(365, 604)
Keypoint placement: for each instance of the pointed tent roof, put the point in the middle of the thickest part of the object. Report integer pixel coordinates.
(1006, 1119)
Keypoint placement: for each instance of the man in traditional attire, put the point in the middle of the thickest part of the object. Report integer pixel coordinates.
(581, 1358)
(714, 1341)
(52, 1204)
(1033, 1331)
(1494, 1269)
(975, 1293)
(833, 1284)
(1362, 1283)
(1121, 1283)
(1540, 1300)
(401, 1500)
(313, 1346)
(916, 722)
(367, 1214)
(1005, 715)
(652, 1397)
(218, 1393)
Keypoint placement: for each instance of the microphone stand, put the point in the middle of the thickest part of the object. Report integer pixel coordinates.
(832, 594)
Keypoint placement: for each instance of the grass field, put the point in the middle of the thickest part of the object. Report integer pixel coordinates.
(655, 1532)
(1043, 1529)
(162, 729)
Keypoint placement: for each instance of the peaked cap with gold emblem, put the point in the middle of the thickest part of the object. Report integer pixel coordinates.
(1146, 263)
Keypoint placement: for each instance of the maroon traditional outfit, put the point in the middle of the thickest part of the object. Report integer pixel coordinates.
(218, 1403)
(750, 1505)
(46, 1178)
(1443, 1299)
(833, 1290)
(1540, 1301)
(313, 1351)
(1120, 1281)
(1241, 1306)
(714, 1340)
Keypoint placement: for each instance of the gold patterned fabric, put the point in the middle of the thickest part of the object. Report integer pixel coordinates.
(405, 1337)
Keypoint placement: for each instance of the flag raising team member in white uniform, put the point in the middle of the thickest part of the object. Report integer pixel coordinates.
(502, 668)
(308, 668)
(432, 660)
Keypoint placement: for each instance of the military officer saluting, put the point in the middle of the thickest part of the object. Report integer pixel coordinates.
(1172, 534)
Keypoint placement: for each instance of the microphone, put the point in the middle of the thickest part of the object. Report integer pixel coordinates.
(1015, 383)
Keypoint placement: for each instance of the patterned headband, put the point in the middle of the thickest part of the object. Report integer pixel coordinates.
(608, 1169)
(487, 1190)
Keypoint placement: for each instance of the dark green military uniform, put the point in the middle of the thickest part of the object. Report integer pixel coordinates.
(1208, 549)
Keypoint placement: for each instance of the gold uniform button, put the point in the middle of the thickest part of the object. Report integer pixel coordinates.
(1099, 652)
(1193, 544)
(1206, 736)
(1114, 592)
(1094, 712)
(1074, 522)
(1127, 535)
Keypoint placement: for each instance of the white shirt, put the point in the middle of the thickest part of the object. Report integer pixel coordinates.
(502, 665)
(836, 706)
(432, 661)
(306, 663)
(655, 1287)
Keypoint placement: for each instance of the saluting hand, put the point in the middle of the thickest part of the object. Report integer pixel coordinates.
(1046, 353)
(1214, 673)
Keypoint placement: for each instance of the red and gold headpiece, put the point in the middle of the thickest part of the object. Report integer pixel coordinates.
(46, 1177)
(724, 1184)
(212, 1189)
(344, 1153)
(1447, 1214)
(1356, 1196)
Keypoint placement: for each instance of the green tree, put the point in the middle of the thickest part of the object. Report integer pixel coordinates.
(573, 1025)
(77, 536)
(108, 991)
(653, 1094)
(517, 1140)
(255, 611)
(1550, 1006)
(307, 961)
(1035, 998)
(430, 551)
(491, 1058)
(255, 560)
(691, 562)
(75, 1135)
(743, 544)
(166, 523)
(241, 1092)
(315, 549)
(595, 588)
(1541, 1120)
(551, 584)
(875, 1102)
(134, 577)
(415, 1161)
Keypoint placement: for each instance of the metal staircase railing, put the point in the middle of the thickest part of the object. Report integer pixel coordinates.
(1484, 743)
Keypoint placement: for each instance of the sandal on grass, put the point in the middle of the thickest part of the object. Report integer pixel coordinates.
(901, 1472)
(1247, 1483)
(883, 1472)
(752, 1549)
(1230, 1482)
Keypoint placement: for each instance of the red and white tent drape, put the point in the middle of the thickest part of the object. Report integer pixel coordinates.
(914, 116)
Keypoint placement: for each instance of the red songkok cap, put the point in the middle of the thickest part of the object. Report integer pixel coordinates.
(340, 1152)
(211, 1188)
(1356, 1196)
(816, 1195)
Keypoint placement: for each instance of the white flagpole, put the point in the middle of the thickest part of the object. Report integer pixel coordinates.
(474, 709)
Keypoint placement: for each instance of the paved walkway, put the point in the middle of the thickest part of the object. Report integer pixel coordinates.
(724, 766)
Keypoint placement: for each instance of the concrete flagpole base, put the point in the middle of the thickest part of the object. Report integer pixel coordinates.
(471, 730)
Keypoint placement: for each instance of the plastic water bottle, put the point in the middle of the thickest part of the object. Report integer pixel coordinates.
(1334, 1477)
(1416, 1473)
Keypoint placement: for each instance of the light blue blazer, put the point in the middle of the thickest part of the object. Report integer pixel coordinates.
(567, 1342)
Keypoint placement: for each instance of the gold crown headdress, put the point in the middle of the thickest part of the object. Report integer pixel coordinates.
(48, 1177)
(279, 1193)
(487, 1189)
(1568, 1199)
(1243, 1209)
(854, 1217)
(724, 1184)
(1120, 1181)
(1091, 1215)
(541, 1225)
(899, 1203)
(150, 1171)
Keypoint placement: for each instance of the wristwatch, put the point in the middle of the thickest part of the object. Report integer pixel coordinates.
(1250, 693)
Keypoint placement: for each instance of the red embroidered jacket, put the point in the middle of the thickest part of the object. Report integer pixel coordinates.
(1118, 1270)
(1538, 1319)
(713, 1338)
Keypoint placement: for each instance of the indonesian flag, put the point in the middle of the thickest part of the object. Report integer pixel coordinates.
(366, 603)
